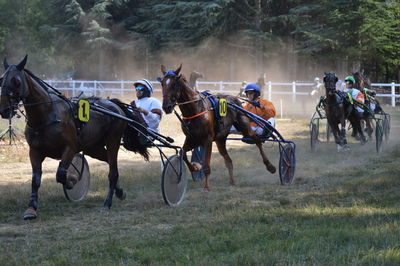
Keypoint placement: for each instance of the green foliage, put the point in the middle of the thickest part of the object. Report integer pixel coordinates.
(75, 33)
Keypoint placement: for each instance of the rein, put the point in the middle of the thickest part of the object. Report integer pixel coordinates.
(191, 117)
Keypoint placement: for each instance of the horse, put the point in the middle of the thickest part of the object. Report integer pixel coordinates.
(53, 131)
(202, 125)
(193, 79)
(337, 110)
(363, 82)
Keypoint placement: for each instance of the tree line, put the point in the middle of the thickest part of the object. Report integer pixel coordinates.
(115, 39)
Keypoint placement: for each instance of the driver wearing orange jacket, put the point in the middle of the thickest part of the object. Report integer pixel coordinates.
(261, 107)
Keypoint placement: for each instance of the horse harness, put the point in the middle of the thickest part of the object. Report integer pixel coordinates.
(73, 107)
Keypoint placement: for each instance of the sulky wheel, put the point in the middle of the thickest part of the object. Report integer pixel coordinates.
(79, 170)
(379, 135)
(174, 181)
(287, 164)
(328, 132)
(313, 136)
(198, 157)
(386, 127)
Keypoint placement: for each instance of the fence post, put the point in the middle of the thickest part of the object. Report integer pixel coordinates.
(281, 108)
(269, 90)
(393, 95)
(122, 88)
(221, 86)
(73, 88)
(294, 91)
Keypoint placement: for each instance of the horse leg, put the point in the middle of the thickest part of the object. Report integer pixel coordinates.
(112, 155)
(368, 128)
(336, 134)
(187, 146)
(221, 145)
(343, 134)
(247, 132)
(36, 162)
(62, 169)
(207, 161)
(100, 153)
(356, 122)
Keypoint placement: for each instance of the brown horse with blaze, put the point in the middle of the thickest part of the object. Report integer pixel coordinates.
(202, 126)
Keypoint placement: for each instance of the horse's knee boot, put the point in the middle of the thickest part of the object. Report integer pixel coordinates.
(61, 177)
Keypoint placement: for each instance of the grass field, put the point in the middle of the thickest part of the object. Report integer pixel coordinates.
(343, 209)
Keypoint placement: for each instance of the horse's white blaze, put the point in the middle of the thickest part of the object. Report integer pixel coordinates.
(167, 81)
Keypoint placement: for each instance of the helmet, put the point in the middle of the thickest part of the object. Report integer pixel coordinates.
(350, 78)
(316, 79)
(145, 83)
(252, 87)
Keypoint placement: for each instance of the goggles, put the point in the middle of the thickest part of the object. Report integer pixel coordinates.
(140, 88)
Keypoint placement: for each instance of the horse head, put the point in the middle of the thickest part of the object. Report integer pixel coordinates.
(330, 81)
(170, 88)
(362, 80)
(359, 78)
(13, 88)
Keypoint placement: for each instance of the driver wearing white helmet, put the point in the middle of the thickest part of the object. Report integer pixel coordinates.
(317, 88)
(149, 107)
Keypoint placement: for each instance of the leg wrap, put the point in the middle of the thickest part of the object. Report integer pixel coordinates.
(61, 175)
(343, 132)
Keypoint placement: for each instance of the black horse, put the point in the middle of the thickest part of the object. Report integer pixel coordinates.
(338, 109)
(53, 131)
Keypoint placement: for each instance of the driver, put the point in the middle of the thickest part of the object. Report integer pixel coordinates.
(317, 88)
(149, 107)
(261, 107)
(357, 95)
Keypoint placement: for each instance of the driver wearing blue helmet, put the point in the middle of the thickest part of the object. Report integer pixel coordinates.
(258, 106)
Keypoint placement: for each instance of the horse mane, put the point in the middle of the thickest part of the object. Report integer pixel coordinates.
(183, 77)
(134, 140)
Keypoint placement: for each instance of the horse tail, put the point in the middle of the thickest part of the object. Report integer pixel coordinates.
(133, 139)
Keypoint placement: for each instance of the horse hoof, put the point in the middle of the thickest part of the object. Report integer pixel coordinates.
(29, 214)
(73, 179)
(364, 140)
(206, 189)
(69, 184)
(196, 167)
(271, 169)
(343, 148)
(105, 209)
(121, 196)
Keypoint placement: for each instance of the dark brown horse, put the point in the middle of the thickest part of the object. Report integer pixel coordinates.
(201, 126)
(363, 84)
(52, 130)
(337, 110)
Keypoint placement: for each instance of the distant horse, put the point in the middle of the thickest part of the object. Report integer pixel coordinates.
(53, 131)
(202, 125)
(363, 82)
(194, 76)
(338, 109)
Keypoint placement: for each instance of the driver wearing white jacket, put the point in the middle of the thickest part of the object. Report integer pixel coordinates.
(149, 107)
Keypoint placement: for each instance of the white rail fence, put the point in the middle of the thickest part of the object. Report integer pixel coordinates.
(272, 89)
